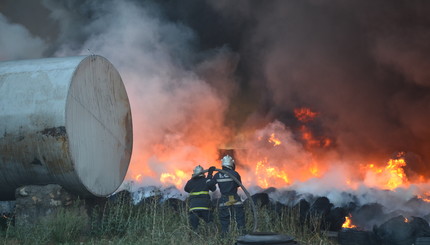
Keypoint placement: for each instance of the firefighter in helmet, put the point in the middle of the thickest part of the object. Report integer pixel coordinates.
(230, 204)
(199, 200)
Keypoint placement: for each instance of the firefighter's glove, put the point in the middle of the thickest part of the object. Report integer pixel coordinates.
(210, 172)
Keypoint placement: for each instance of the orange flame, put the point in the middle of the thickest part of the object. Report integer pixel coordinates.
(305, 114)
(348, 222)
(177, 179)
(267, 174)
(389, 177)
(308, 137)
(398, 176)
(311, 141)
(314, 170)
(287, 157)
(138, 177)
(425, 196)
(274, 140)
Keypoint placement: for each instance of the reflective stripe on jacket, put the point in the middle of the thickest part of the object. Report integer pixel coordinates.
(199, 193)
(199, 188)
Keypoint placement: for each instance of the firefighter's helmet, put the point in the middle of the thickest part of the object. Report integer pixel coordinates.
(198, 171)
(228, 162)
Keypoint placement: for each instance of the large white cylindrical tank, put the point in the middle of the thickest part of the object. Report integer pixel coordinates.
(65, 121)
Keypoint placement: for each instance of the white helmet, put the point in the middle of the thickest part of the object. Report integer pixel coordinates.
(227, 161)
(198, 171)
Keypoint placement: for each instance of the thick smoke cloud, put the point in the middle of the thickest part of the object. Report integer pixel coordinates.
(199, 73)
(16, 42)
(176, 93)
(177, 114)
(362, 65)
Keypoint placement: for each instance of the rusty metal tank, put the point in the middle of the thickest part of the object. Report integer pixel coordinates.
(65, 121)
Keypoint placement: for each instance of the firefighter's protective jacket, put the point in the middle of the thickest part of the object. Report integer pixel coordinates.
(228, 187)
(199, 188)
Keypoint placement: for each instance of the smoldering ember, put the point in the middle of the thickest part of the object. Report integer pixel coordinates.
(324, 105)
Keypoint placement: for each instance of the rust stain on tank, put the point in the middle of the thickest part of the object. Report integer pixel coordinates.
(128, 128)
(54, 132)
(60, 161)
(46, 150)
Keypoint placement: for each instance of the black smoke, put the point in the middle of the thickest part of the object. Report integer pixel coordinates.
(363, 65)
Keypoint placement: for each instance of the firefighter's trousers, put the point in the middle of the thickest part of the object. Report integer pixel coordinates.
(195, 215)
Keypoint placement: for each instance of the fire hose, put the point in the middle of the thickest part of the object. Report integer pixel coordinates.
(254, 210)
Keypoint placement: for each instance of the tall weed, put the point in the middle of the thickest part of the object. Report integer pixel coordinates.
(153, 222)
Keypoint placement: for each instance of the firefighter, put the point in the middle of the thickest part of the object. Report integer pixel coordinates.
(199, 200)
(230, 204)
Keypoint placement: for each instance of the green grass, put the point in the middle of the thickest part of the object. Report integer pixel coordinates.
(62, 227)
(121, 222)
